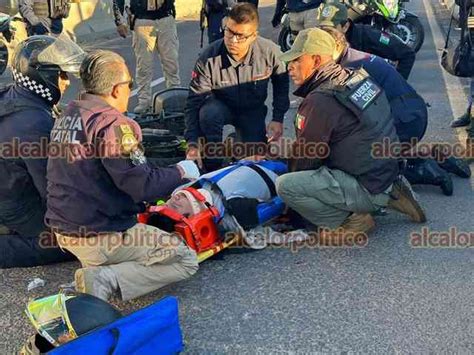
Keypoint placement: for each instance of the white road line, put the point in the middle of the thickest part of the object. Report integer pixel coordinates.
(152, 84)
(454, 86)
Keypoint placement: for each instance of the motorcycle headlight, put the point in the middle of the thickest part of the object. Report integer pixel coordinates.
(392, 7)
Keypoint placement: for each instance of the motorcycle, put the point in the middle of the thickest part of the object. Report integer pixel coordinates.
(389, 16)
(7, 35)
(386, 15)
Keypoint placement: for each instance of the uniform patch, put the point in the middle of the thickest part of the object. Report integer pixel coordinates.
(300, 121)
(327, 11)
(194, 74)
(365, 94)
(384, 38)
(126, 138)
(126, 129)
(128, 142)
(137, 157)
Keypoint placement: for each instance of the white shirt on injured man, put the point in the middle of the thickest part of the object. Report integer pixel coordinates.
(243, 182)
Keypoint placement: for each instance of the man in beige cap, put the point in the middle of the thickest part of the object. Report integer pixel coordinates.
(348, 112)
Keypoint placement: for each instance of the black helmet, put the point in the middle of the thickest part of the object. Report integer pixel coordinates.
(39, 60)
(64, 317)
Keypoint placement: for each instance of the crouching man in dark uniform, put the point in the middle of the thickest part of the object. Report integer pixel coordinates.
(409, 113)
(230, 82)
(349, 112)
(40, 68)
(95, 192)
(368, 39)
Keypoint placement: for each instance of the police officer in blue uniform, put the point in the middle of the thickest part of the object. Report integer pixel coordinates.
(40, 69)
(409, 113)
(96, 190)
(230, 82)
(216, 10)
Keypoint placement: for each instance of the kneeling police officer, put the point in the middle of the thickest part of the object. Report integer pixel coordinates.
(409, 113)
(349, 113)
(96, 191)
(40, 72)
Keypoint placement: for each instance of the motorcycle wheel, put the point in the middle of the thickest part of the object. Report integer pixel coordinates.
(410, 31)
(285, 39)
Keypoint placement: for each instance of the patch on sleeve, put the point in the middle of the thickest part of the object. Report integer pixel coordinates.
(194, 74)
(128, 141)
(137, 157)
(384, 38)
(300, 121)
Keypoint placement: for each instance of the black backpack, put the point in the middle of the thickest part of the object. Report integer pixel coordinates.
(457, 59)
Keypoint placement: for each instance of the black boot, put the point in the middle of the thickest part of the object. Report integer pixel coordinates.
(428, 172)
(462, 121)
(456, 166)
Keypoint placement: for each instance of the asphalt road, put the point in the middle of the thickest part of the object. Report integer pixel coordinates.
(385, 298)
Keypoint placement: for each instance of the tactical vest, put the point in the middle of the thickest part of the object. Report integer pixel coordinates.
(51, 8)
(366, 100)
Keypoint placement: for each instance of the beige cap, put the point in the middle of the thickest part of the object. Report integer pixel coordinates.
(310, 41)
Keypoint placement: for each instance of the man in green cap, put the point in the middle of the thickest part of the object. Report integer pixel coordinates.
(347, 112)
(366, 38)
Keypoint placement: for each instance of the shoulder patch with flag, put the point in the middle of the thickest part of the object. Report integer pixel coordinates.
(384, 38)
(300, 121)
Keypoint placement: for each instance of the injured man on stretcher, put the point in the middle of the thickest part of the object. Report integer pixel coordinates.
(243, 198)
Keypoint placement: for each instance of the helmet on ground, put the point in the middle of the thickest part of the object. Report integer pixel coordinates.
(63, 317)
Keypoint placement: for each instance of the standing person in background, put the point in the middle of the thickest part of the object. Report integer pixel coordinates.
(303, 13)
(465, 119)
(44, 16)
(154, 28)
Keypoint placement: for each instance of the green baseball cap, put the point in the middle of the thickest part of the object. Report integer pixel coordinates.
(332, 14)
(310, 41)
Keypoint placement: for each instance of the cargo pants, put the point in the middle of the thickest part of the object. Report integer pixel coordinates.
(327, 197)
(302, 20)
(143, 258)
(160, 35)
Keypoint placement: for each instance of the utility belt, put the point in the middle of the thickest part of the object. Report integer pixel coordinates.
(155, 10)
(51, 8)
(131, 18)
